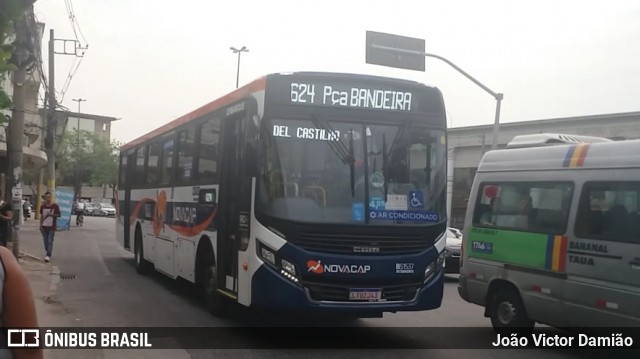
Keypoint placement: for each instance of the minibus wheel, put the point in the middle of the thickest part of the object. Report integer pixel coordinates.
(508, 314)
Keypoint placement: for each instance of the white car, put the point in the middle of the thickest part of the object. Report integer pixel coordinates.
(105, 209)
(452, 250)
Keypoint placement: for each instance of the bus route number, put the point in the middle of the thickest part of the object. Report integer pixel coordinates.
(303, 93)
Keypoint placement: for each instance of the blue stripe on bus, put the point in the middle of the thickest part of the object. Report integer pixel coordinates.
(567, 158)
(549, 255)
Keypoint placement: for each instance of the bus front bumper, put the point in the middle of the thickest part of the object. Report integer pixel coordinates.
(270, 290)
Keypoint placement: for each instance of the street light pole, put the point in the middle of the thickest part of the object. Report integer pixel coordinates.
(79, 101)
(240, 51)
(497, 96)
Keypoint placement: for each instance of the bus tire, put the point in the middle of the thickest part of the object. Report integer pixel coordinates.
(142, 265)
(214, 301)
(508, 314)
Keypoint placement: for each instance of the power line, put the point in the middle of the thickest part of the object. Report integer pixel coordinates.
(75, 26)
(74, 21)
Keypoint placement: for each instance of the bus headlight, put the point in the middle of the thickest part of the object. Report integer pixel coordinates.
(288, 267)
(434, 267)
(268, 255)
(289, 271)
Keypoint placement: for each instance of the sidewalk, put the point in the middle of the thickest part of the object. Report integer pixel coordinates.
(44, 279)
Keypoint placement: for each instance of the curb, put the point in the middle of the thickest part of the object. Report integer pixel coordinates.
(55, 279)
(55, 273)
(25, 254)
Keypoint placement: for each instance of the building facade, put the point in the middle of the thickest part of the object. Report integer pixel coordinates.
(466, 145)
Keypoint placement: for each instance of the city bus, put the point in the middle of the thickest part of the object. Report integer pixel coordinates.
(552, 234)
(312, 192)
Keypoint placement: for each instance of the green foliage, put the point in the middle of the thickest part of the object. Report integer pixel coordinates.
(10, 11)
(85, 157)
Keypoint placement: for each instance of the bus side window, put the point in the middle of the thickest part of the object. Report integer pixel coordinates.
(208, 151)
(167, 162)
(634, 219)
(608, 210)
(186, 151)
(153, 155)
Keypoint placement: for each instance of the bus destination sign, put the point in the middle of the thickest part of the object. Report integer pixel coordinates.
(356, 97)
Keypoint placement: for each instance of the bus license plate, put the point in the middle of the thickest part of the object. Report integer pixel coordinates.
(365, 294)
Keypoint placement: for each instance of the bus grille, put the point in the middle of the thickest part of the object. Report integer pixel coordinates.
(340, 293)
(362, 244)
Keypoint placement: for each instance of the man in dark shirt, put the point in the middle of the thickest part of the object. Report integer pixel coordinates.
(6, 216)
(49, 213)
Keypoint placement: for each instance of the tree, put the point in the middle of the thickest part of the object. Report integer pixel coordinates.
(10, 11)
(85, 157)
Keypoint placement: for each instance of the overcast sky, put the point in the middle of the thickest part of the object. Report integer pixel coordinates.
(149, 62)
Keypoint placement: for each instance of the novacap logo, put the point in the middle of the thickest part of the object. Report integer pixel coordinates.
(315, 266)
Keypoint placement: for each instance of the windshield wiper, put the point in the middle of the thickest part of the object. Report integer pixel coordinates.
(346, 156)
(337, 146)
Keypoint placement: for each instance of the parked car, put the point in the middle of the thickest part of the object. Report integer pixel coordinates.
(452, 250)
(106, 210)
(89, 209)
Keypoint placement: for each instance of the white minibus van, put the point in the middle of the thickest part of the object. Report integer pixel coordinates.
(552, 233)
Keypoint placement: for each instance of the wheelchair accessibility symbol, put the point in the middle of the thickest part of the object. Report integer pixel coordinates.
(416, 199)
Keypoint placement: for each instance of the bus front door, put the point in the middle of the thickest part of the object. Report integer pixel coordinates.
(126, 208)
(234, 200)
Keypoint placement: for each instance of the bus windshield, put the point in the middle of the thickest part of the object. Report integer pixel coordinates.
(341, 171)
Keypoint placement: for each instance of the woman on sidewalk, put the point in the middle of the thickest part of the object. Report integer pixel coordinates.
(17, 308)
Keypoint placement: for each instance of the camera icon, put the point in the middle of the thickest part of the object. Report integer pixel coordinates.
(23, 338)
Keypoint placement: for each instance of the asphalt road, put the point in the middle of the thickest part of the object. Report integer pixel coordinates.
(100, 288)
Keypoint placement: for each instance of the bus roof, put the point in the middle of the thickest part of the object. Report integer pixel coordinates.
(242, 92)
(547, 139)
(615, 154)
(236, 95)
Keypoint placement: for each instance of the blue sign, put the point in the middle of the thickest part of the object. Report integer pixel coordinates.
(357, 212)
(376, 203)
(482, 247)
(64, 200)
(416, 199)
(404, 216)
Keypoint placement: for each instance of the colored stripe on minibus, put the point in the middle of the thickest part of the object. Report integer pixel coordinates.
(576, 155)
(556, 256)
(567, 158)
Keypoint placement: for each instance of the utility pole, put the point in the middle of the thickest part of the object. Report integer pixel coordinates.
(77, 171)
(51, 122)
(22, 57)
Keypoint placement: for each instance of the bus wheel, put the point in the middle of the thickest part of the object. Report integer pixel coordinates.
(214, 301)
(508, 314)
(142, 265)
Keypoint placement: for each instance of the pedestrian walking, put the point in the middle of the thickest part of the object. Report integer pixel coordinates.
(49, 213)
(5, 220)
